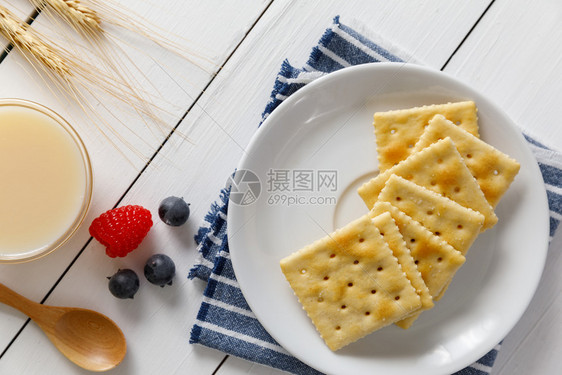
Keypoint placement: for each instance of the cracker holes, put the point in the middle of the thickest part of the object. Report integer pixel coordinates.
(429, 213)
(367, 313)
(349, 285)
(416, 261)
(361, 239)
(439, 161)
(382, 233)
(392, 131)
(398, 199)
(409, 177)
(320, 299)
(326, 278)
(355, 261)
(459, 226)
(397, 298)
(433, 183)
(457, 189)
(338, 328)
(496, 172)
(412, 240)
(373, 291)
(303, 271)
(468, 156)
(439, 259)
(437, 234)
(343, 307)
(457, 122)
(379, 268)
(332, 255)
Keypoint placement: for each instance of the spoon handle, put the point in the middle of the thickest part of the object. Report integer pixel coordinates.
(19, 302)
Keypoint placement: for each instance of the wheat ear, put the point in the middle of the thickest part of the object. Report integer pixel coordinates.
(77, 14)
(20, 35)
(105, 47)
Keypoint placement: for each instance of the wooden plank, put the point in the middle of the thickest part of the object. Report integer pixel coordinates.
(217, 32)
(533, 345)
(238, 366)
(513, 57)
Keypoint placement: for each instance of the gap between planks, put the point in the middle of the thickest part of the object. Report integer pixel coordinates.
(467, 35)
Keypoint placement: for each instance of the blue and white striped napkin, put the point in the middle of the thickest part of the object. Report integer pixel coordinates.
(225, 322)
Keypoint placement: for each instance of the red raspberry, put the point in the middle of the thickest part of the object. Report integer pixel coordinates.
(122, 229)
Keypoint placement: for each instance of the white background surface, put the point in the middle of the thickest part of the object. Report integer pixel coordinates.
(508, 50)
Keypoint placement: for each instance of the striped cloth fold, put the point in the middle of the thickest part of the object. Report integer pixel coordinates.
(225, 322)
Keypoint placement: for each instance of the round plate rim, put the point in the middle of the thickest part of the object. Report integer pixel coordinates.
(377, 68)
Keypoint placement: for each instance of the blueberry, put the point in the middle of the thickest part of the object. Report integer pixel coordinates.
(173, 211)
(160, 270)
(124, 284)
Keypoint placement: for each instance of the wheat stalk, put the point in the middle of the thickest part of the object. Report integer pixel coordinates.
(77, 14)
(20, 35)
(106, 48)
(125, 19)
(79, 77)
(68, 76)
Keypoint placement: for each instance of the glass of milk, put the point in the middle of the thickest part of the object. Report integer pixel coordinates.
(45, 181)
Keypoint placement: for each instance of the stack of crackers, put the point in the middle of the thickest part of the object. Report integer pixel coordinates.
(436, 192)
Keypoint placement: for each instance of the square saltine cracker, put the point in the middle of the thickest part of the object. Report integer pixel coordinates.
(389, 230)
(398, 131)
(440, 168)
(457, 225)
(350, 283)
(493, 170)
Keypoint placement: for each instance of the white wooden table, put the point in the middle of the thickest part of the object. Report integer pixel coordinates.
(510, 50)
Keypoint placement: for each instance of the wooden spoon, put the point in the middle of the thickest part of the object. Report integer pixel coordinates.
(87, 338)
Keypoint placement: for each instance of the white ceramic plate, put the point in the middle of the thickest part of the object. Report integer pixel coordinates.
(327, 126)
